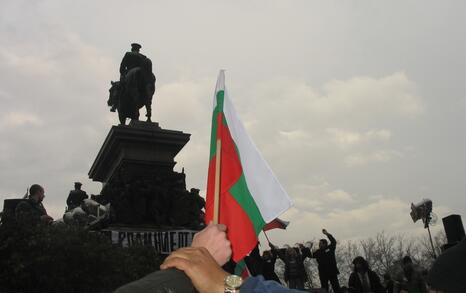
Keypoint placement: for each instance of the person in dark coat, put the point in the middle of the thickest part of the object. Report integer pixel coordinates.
(388, 283)
(131, 60)
(448, 273)
(327, 264)
(410, 280)
(268, 266)
(254, 262)
(295, 274)
(363, 279)
(31, 211)
(76, 196)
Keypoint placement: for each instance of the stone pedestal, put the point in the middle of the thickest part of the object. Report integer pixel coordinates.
(138, 150)
(135, 165)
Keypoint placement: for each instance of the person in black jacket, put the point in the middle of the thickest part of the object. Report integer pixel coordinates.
(268, 266)
(449, 270)
(295, 274)
(254, 262)
(326, 261)
(388, 283)
(363, 279)
(32, 211)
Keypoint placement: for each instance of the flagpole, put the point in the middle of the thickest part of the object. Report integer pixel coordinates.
(217, 181)
(266, 236)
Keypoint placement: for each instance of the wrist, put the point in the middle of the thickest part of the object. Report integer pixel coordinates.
(220, 283)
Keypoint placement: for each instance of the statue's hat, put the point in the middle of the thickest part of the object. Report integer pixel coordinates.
(78, 183)
(136, 46)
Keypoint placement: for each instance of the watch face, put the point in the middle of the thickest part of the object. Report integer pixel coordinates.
(233, 281)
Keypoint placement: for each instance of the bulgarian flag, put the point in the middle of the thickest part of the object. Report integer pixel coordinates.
(249, 194)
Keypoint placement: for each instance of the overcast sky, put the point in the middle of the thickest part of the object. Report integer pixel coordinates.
(358, 106)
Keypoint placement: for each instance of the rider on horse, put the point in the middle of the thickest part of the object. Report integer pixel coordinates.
(131, 60)
(135, 88)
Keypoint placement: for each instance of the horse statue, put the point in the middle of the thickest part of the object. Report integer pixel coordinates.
(132, 92)
(89, 213)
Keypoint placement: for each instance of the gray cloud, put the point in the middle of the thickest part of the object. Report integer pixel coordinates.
(357, 107)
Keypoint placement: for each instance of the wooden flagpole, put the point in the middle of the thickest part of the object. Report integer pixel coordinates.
(217, 181)
(266, 236)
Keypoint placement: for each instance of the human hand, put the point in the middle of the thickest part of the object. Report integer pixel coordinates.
(197, 263)
(214, 239)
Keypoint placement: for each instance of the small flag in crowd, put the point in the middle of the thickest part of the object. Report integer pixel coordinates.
(276, 224)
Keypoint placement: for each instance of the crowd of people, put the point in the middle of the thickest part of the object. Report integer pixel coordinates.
(210, 250)
(201, 265)
(361, 280)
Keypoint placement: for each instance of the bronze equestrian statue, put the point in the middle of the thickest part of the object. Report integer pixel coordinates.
(135, 88)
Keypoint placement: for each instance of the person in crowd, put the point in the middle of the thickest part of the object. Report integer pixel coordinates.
(388, 283)
(363, 279)
(76, 196)
(31, 211)
(410, 280)
(295, 274)
(327, 264)
(254, 262)
(268, 267)
(199, 268)
(448, 273)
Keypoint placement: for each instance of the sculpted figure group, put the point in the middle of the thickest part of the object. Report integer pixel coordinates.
(162, 200)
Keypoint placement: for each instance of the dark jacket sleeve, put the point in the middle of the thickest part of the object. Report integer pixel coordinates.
(282, 254)
(24, 214)
(274, 258)
(122, 64)
(333, 242)
(259, 285)
(306, 252)
(352, 283)
(278, 252)
(449, 270)
(376, 283)
(164, 281)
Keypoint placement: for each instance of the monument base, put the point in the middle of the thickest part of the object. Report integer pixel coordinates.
(138, 150)
(135, 165)
(164, 241)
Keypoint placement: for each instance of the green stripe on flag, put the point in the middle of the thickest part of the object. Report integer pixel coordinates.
(213, 135)
(240, 267)
(244, 198)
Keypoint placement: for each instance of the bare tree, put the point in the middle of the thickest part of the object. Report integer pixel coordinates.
(383, 252)
(344, 254)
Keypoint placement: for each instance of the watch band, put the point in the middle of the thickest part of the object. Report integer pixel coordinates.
(230, 290)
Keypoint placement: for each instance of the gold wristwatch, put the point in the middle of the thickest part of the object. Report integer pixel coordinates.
(233, 283)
